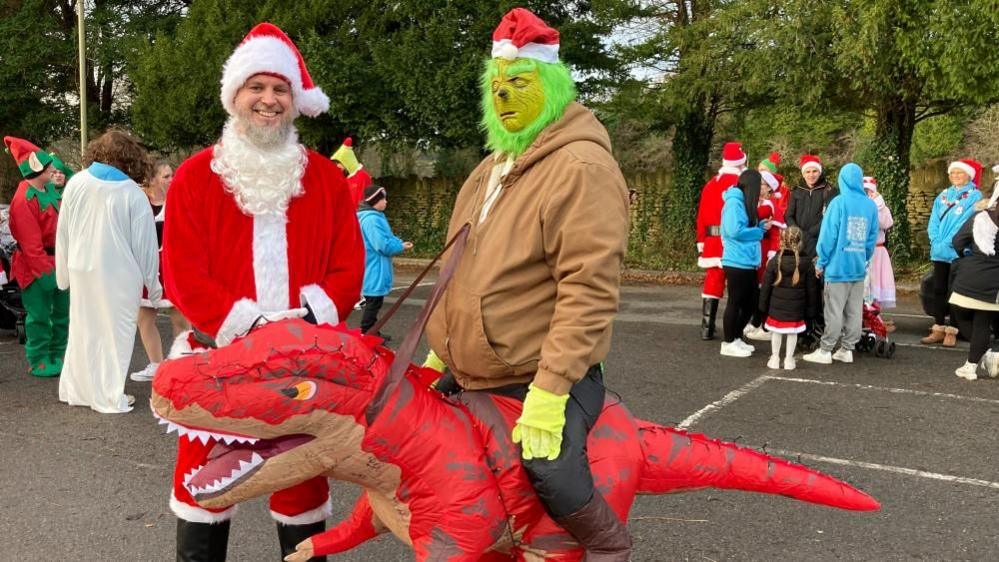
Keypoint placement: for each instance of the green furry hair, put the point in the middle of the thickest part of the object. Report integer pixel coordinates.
(559, 90)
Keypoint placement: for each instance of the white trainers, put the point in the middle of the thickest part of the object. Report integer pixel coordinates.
(843, 355)
(146, 374)
(991, 363)
(757, 333)
(789, 364)
(819, 356)
(130, 399)
(967, 371)
(741, 343)
(734, 350)
(774, 362)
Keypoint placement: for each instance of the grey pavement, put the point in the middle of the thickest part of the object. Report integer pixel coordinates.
(76, 485)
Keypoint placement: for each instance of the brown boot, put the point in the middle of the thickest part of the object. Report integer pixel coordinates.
(950, 336)
(936, 335)
(597, 528)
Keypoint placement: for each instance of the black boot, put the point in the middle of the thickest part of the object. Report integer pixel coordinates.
(202, 542)
(596, 527)
(709, 309)
(291, 535)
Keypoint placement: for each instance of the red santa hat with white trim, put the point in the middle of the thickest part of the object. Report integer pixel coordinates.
(969, 166)
(521, 34)
(733, 155)
(810, 161)
(267, 50)
(870, 184)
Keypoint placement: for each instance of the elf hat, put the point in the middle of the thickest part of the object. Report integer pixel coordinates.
(267, 50)
(30, 159)
(772, 161)
(969, 166)
(870, 184)
(810, 161)
(732, 155)
(58, 164)
(521, 34)
(346, 157)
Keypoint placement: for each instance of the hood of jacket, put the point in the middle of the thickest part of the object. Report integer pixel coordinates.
(851, 180)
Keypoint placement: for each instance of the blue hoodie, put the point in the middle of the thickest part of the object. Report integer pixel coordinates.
(740, 242)
(849, 230)
(946, 220)
(379, 247)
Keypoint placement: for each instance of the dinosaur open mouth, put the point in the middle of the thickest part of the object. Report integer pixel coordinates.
(230, 464)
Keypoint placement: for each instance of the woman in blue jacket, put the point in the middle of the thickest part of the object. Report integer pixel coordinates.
(741, 232)
(380, 244)
(951, 209)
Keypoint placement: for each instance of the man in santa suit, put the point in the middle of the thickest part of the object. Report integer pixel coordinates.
(709, 242)
(258, 229)
(358, 178)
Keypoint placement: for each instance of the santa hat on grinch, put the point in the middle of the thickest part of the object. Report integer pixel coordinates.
(345, 157)
(267, 50)
(771, 162)
(521, 34)
(810, 161)
(30, 159)
(969, 166)
(733, 156)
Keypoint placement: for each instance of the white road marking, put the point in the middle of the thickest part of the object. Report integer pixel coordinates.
(426, 284)
(885, 389)
(887, 468)
(725, 401)
(903, 315)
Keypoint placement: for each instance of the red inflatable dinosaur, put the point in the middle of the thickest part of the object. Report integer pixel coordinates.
(292, 400)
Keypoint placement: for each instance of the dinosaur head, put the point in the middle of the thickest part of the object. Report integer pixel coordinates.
(272, 409)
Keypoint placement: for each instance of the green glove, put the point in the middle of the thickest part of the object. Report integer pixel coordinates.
(539, 427)
(433, 361)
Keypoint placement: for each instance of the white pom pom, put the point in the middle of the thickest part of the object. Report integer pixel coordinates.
(508, 51)
(312, 102)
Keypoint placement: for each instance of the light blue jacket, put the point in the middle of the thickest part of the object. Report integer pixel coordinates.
(945, 223)
(379, 247)
(740, 242)
(849, 230)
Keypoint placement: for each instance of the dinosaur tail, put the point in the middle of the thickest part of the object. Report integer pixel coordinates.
(677, 461)
(361, 526)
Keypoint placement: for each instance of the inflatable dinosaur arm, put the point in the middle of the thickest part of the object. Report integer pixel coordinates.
(361, 526)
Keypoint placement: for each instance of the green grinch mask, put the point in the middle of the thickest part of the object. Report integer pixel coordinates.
(520, 98)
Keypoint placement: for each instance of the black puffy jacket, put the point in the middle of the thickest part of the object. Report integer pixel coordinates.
(787, 302)
(805, 210)
(974, 274)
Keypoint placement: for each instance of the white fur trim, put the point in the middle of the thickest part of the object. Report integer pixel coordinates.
(272, 56)
(505, 49)
(238, 322)
(778, 224)
(712, 297)
(196, 514)
(312, 516)
(963, 167)
(3, 278)
(770, 179)
(708, 263)
(771, 254)
(815, 165)
(795, 330)
(270, 261)
(730, 169)
(322, 306)
(985, 231)
(700, 247)
(735, 163)
(182, 346)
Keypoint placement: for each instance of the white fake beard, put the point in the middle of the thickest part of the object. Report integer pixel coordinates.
(262, 176)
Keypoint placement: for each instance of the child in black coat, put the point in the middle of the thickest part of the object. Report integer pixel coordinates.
(789, 296)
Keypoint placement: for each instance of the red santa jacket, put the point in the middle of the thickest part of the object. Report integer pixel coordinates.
(34, 230)
(357, 183)
(709, 210)
(223, 269)
(769, 209)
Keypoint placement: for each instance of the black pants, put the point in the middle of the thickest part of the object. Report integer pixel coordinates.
(976, 325)
(743, 299)
(941, 292)
(371, 307)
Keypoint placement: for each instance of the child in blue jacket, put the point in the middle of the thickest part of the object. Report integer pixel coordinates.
(847, 238)
(379, 247)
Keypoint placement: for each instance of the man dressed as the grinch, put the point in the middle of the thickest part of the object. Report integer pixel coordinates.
(528, 312)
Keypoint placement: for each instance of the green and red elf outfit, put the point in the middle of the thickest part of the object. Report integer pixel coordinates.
(34, 213)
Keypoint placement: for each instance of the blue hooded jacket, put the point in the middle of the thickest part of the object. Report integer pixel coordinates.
(849, 230)
(740, 242)
(946, 219)
(379, 247)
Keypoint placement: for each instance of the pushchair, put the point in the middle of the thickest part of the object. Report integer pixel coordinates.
(12, 312)
(874, 338)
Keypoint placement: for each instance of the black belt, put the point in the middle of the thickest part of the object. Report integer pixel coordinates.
(714, 230)
(50, 251)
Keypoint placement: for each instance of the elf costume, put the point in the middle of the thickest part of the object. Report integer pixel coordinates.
(34, 213)
(778, 194)
(358, 178)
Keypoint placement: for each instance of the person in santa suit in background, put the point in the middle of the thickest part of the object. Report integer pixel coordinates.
(258, 229)
(34, 214)
(358, 178)
(709, 243)
(779, 194)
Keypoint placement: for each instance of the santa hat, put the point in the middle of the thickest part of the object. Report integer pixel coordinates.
(870, 184)
(373, 194)
(771, 180)
(732, 155)
(346, 157)
(971, 167)
(267, 50)
(810, 161)
(772, 161)
(30, 159)
(521, 34)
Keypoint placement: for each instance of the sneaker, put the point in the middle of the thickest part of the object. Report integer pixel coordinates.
(146, 374)
(790, 364)
(131, 399)
(734, 350)
(774, 362)
(967, 371)
(819, 356)
(843, 355)
(757, 333)
(991, 363)
(741, 343)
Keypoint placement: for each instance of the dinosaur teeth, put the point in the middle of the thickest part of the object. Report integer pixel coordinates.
(244, 468)
(203, 435)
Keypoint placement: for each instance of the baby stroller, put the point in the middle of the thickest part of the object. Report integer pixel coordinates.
(12, 312)
(874, 337)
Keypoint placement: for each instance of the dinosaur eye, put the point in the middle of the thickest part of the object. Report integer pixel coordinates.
(301, 391)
